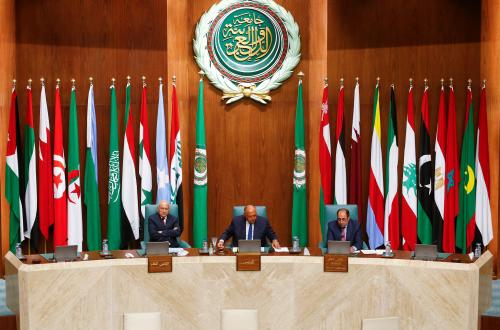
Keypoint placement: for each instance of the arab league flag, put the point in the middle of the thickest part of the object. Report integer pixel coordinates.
(114, 201)
(375, 209)
(12, 181)
(91, 191)
(483, 207)
(75, 230)
(340, 170)
(391, 216)
(130, 201)
(30, 195)
(175, 158)
(145, 155)
(200, 176)
(59, 178)
(452, 177)
(409, 181)
(325, 161)
(439, 172)
(299, 206)
(425, 199)
(45, 186)
(162, 177)
(466, 224)
(355, 186)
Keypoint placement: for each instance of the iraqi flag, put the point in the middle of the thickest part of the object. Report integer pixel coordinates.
(375, 207)
(340, 170)
(391, 216)
(409, 181)
(175, 159)
(439, 172)
(59, 178)
(483, 207)
(325, 161)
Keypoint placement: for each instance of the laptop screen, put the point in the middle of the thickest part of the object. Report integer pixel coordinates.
(249, 245)
(339, 247)
(66, 253)
(157, 248)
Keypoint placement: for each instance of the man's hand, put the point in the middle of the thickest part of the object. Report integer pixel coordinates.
(275, 244)
(220, 245)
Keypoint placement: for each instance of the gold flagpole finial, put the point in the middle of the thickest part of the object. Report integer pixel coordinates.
(113, 82)
(357, 80)
(342, 82)
(42, 81)
(425, 82)
(451, 82)
(202, 74)
(484, 83)
(174, 79)
(73, 82)
(91, 80)
(411, 82)
(13, 83)
(128, 79)
(160, 80)
(300, 75)
(58, 82)
(325, 81)
(442, 82)
(392, 86)
(143, 78)
(29, 83)
(378, 81)
(469, 83)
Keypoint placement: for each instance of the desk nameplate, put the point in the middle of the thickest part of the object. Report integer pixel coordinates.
(159, 264)
(336, 263)
(248, 262)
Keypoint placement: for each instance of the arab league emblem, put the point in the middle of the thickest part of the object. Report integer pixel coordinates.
(247, 48)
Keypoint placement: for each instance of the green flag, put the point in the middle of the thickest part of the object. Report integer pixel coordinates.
(467, 192)
(200, 176)
(91, 191)
(299, 207)
(114, 201)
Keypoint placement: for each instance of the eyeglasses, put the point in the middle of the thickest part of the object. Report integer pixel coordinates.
(342, 219)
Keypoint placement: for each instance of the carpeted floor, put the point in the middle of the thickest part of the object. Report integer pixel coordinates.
(493, 311)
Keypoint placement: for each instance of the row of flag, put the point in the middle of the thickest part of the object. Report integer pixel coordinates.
(55, 199)
(443, 202)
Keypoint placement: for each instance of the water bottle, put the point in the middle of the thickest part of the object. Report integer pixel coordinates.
(211, 249)
(105, 248)
(295, 243)
(19, 251)
(477, 251)
(205, 245)
(388, 250)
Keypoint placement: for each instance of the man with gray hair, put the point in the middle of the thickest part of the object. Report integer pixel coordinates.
(164, 226)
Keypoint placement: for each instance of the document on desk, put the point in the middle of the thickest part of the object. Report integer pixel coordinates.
(180, 251)
(282, 249)
(378, 252)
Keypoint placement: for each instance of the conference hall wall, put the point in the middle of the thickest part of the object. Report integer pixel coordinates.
(250, 146)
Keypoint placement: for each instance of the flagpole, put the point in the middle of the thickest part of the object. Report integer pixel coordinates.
(325, 82)
(484, 84)
(202, 74)
(442, 82)
(451, 82)
(425, 83)
(143, 81)
(174, 79)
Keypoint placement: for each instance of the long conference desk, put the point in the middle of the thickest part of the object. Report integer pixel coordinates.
(290, 291)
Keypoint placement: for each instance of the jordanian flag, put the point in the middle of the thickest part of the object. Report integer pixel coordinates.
(340, 170)
(425, 197)
(452, 177)
(114, 201)
(200, 176)
(325, 161)
(59, 178)
(30, 195)
(162, 177)
(299, 206)
(91, 191)
(75, 230)
(45, 186)
(145, 156)
(130, 201)
(13, 185)
(409, 181)
(483, 207)
(391, 216)
(355, 186)
(466, 223)
(375, 209)
(175, 158)
(439, 172)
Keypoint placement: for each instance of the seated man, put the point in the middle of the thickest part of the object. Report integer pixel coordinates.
(249, 226)
(345, 230)
(163, 226)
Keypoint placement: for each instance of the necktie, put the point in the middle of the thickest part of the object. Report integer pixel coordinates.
(250, 231)
(164, 221)
(343, 236)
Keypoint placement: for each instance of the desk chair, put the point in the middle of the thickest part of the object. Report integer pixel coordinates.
(241, 319)
(331, 215)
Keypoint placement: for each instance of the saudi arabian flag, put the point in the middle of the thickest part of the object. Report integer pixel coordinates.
(200, 176)
(114, 201)
(91, 191)
(299, 207)
(467, 191)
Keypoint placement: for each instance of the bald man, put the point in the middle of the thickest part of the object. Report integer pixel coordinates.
(163, 226)
(249, 226)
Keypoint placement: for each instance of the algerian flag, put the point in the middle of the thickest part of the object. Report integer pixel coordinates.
(91, 194)
(114, 201)
(200, 176)
(75, 231)
(299, 204)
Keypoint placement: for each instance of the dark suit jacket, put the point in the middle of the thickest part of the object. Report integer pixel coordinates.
(353, 233)
(237, 230)
(158, 232)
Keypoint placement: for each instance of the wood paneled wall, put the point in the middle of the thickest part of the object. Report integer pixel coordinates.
(250, 146)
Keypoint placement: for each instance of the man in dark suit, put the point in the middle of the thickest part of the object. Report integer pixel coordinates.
(249, 226)
(163, 226)
(345, 229)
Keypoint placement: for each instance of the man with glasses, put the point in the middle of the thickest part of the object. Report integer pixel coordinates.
(163, 226)
(345, 229)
